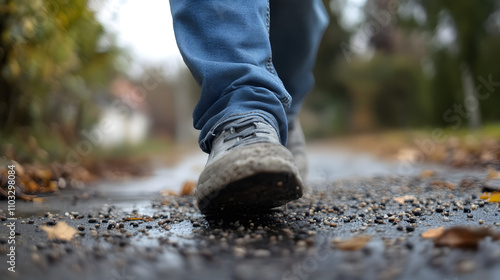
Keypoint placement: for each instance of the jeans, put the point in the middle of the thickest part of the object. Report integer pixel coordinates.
(250, 57)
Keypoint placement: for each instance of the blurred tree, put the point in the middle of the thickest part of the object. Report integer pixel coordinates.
(54, 58)
(409, 63)
(328, 102)
(468, 21)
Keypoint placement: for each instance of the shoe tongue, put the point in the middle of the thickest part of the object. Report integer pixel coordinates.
(239, 123)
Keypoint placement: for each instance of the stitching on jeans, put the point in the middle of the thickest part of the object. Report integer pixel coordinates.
(269, 62)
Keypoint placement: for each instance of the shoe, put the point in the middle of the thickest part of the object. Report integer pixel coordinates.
(297, 146)
(247, 170)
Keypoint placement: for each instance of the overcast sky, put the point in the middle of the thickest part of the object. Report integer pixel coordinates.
(144, 27)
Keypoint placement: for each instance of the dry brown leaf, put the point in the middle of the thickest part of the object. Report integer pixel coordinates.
(353, 244)
(60, 231)
(443, 185)
(462, 237)
(402, 199)
(188, 187)
(427, 173)
(433, 232)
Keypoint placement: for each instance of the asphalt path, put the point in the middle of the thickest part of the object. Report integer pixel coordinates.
(363, 219)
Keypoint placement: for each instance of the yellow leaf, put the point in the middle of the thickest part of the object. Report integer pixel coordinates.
(491, 197)
(485, 196)
(495, 197)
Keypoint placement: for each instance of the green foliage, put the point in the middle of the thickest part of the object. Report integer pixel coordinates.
(411, 76)
(52, 65)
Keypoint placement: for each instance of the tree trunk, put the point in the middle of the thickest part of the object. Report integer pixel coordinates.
(471, 102)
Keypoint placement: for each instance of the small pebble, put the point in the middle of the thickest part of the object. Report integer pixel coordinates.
(410, 229)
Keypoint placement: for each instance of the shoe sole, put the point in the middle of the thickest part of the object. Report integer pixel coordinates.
(249, 179)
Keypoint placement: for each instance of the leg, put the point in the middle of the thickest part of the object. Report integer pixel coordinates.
(226, 46)
(241, 112)
(296, 30)
(297, 27)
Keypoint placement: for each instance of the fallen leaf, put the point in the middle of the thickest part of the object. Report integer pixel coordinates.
(167, 192)
(188, 188)
(495, 197)
(133, 219)
(427, 173)
(493, 174)
(433, 232)
(42, 173)
(52, 187)
(443, 185)
(39, 199)
(403, 199)
(462, 237)
(353, 244)
(491, 197)
(470, 183)
(485, 196)
(60, 231)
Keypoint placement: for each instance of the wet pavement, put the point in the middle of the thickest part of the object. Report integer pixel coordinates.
(126, 230)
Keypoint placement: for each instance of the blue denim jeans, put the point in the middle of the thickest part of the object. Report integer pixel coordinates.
(250, 57)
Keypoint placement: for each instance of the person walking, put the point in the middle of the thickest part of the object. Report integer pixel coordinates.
(253, 61)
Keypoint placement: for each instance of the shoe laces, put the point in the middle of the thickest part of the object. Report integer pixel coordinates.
(245, 131)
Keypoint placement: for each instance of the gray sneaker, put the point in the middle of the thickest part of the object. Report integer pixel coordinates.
(247, 170)
(297, 145)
